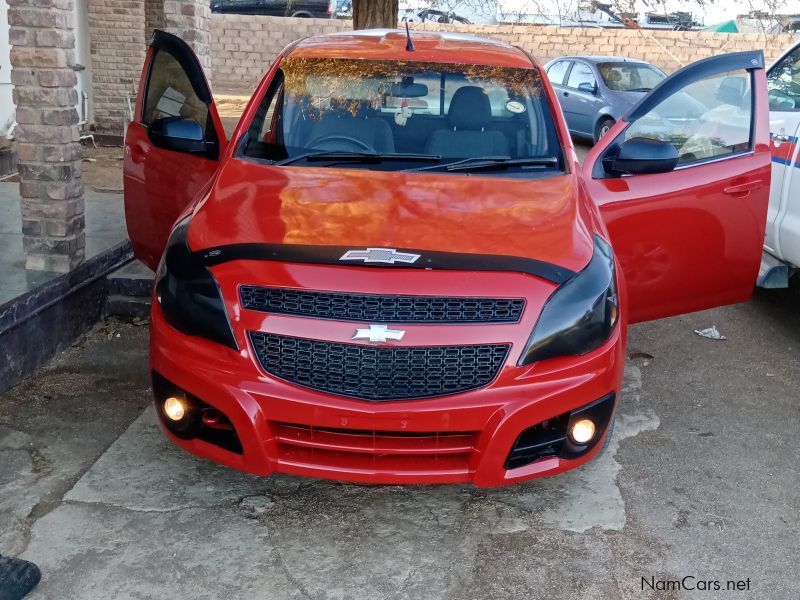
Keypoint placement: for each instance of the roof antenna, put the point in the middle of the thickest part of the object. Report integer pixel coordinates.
(409, 43)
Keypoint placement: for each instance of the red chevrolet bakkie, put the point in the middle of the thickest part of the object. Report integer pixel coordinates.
(396, 269)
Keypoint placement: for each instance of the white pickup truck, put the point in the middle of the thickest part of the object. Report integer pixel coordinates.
(782, 243)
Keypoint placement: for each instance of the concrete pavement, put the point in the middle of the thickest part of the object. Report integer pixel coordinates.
(700, 480)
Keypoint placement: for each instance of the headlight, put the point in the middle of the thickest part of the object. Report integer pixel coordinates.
(580, 315)
(188, 294)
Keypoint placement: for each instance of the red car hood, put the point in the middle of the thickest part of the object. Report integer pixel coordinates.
(536, 218)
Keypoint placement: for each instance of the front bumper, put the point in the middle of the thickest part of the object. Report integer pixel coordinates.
(453, 439)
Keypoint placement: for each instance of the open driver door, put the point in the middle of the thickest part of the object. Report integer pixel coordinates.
(172, 146)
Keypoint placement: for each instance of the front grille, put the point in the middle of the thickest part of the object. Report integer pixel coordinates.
(386, 309)
(378, 373)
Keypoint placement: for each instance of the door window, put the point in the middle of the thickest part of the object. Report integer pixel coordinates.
(630, 77)
(783, 83)
(581, 73)
(557, 71)
(170, 93)
(709, 118)
(271, 119)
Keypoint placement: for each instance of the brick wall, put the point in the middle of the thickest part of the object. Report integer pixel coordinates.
(668, 50)
(189, 20)
(242, 47)
(117, 47)
(153, 17)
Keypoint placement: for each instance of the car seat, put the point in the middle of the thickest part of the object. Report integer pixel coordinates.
(355, 119)
(467, 136)
(613, 79)
(733, 90)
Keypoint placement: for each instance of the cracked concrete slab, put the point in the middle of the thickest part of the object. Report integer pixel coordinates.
(313, 539)
(142, 471)
(54, 425)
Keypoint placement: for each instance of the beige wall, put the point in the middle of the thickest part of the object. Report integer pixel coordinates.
(242, 47)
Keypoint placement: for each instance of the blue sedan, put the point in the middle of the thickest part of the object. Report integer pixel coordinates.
(595, 91)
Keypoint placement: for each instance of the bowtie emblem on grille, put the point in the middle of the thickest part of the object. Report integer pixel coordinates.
(380, 255)
(378, 334)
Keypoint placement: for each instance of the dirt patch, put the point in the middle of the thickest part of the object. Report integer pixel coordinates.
(230, 108)
(230, 105)
(102, 168)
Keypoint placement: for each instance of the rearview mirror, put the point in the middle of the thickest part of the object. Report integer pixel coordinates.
(407, 90)
(642, 156)
(589, 88)
(178, 134)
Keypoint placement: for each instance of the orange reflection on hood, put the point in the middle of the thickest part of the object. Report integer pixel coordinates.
(534, 218)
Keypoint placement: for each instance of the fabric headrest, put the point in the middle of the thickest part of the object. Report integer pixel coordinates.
(731, 90)
(469, 109)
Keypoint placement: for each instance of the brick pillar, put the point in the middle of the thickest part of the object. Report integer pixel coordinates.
(48, 148)
(190, 20)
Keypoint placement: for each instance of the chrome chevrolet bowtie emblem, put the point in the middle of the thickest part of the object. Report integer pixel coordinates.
(378, 334)
(380, 255)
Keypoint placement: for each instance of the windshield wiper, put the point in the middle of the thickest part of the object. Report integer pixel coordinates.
(462, 162)
(489, 163)
(365, 157)
(639, 89)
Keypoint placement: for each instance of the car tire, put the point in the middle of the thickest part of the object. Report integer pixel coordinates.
(602, 127)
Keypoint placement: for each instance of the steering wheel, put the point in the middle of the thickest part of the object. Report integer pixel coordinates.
(335, 139)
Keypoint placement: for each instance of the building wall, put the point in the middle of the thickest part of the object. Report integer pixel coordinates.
(6, 104)
(242, 47)
(117, 47)
(84, 60)
(81, 56)
(153, 17)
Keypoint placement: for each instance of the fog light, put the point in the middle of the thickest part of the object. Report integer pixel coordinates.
(174, 408)
(582, 431)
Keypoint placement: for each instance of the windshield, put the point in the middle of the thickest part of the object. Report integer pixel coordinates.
(630, 77)
(389, 115)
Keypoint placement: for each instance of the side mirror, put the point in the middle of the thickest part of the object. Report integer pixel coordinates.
(589, 88)
(642, 156)
(178, 134)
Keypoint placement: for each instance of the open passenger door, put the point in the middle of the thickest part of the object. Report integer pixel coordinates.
(172, 146)
(682, 183)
